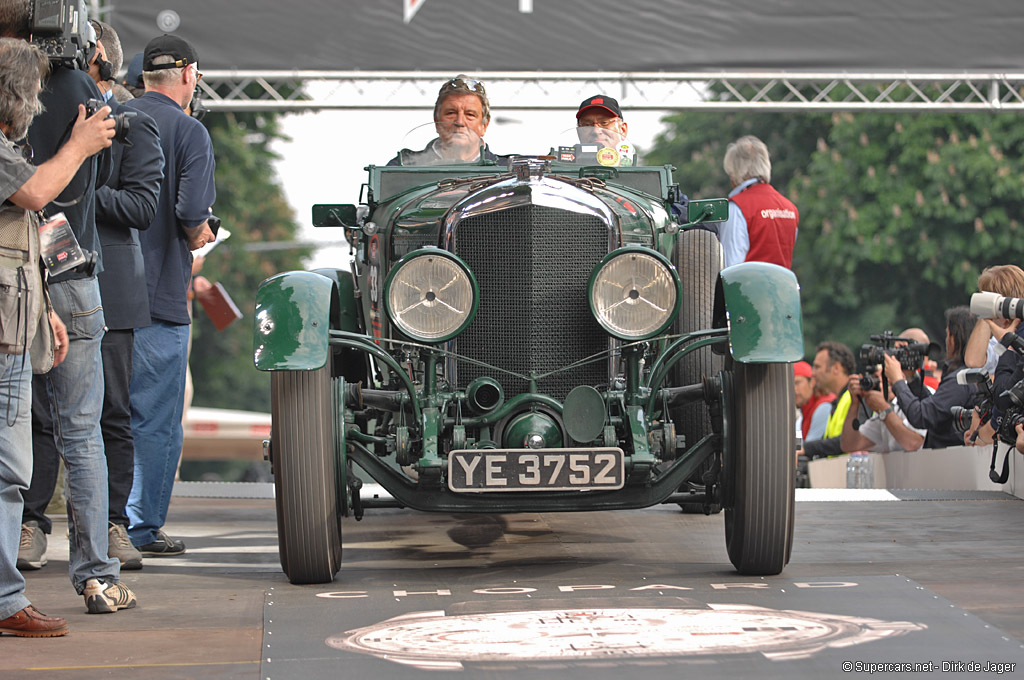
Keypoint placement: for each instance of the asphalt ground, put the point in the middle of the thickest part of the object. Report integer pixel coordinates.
(931, 579)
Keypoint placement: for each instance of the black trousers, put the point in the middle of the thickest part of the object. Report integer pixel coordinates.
(45, 459)
(116, 423)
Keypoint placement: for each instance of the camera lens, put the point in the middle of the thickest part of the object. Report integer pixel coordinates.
(961, 418)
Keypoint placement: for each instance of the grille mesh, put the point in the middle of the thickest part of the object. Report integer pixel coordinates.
(533, 264)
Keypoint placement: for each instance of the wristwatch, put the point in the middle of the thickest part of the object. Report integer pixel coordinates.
(882, 415)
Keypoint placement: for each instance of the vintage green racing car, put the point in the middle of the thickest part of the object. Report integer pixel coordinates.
(539, 335)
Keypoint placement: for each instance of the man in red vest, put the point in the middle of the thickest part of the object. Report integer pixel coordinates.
(762, 222)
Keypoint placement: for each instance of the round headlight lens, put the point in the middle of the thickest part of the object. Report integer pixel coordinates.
(634, 295)
(430, 297)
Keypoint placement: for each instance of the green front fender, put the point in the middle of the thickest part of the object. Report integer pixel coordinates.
(293, 321)
(760, 303)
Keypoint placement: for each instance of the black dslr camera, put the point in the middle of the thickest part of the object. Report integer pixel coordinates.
(122, 121)
(62, 30)
(984, 399)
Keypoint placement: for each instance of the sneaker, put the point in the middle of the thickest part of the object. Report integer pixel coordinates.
(30, 622)
(163, 546)
(103, 598)
(120, 546)
(32, 548)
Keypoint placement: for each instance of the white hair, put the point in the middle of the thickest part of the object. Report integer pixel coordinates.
(163, 77)
(747, 158)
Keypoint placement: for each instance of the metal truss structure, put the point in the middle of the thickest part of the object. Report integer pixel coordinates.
(724, 91)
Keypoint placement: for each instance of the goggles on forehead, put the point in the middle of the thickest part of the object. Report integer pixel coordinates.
(460, 83)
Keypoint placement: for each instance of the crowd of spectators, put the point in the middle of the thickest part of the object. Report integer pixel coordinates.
(892, 407)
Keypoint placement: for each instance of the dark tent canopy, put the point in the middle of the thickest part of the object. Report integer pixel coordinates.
(942, 36)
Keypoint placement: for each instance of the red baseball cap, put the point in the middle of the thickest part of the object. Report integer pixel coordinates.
(802, 368)
(602, 102)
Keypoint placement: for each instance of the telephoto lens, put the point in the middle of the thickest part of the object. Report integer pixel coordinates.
(995, 306)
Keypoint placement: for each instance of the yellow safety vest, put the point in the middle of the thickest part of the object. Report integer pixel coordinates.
(834, 428)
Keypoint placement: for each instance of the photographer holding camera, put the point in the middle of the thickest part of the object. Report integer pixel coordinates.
(25, 189)
(932, 412)
(125, 203)
(886, 429)
(67, 401)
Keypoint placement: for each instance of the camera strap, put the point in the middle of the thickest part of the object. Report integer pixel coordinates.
(992, 474)
(92, 170)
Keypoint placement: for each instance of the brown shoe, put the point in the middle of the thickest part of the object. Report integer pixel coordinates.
(30, 622)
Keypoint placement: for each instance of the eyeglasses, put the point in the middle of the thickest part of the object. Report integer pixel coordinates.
(199, 76)
(605, 125)
(461, 83)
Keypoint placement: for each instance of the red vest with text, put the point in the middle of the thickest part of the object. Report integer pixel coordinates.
(771, 224)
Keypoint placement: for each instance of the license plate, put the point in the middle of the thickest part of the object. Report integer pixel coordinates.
(536, 469)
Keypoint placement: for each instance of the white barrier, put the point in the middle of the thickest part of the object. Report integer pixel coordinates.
(956, 468)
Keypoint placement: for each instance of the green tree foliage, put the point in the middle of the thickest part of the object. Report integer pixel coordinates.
(254, 210)
(899, 212)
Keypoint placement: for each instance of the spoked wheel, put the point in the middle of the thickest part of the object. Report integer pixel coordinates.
(698, 259)
(760, 464)
(305, 475)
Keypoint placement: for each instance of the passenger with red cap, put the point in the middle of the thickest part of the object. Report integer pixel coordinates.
(599, 121)
(814, 404)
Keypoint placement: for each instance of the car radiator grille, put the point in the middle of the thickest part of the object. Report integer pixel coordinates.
(533, 264)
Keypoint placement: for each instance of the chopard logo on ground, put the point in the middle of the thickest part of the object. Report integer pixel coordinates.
(400, 592)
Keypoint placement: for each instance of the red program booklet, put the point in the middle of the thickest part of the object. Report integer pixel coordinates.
(219, 306)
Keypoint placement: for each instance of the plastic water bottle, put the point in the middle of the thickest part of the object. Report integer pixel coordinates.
(867, 470)
(852, 470)
(860, 472)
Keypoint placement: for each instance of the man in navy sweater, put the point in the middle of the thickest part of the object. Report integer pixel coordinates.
(181, 225)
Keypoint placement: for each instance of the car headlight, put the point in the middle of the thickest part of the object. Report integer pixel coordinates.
(634, 293)
(431, 295)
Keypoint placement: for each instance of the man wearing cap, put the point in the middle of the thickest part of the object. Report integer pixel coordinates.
(599, 121)
(181, 224)
(762, 223)
(132, 81)
(814, 404)
(461, 116)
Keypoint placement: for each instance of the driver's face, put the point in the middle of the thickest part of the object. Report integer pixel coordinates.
(461, 121)
(599, 126)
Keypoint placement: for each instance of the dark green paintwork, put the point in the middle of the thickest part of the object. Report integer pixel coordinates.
(707, 211)
(763, 305)
(525, 424)
(334, 215)
(292, 322)
(584, 413)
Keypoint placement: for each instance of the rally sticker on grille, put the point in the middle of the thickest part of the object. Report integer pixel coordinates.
(479, 470)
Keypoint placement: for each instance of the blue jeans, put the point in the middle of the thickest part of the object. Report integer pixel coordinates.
(75, 391)
(15, 473)
(157, 399)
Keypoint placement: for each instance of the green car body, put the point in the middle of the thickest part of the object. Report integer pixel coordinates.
(544, 337)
